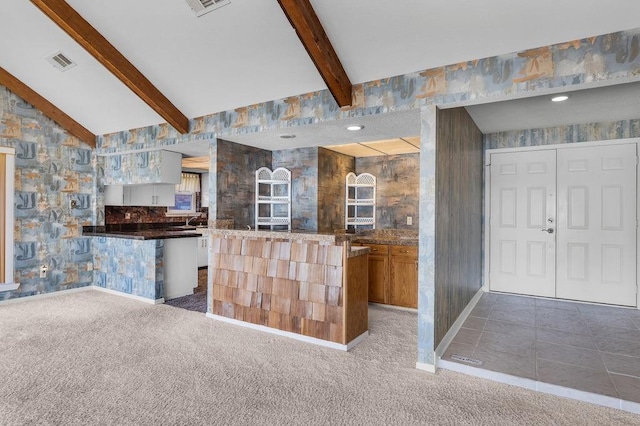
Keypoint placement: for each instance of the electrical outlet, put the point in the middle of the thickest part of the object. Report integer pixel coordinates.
(409, 220)
(127, 215)
(43, 271)
(89, 266)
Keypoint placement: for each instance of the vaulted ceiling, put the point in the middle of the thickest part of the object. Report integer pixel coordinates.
(144, 62)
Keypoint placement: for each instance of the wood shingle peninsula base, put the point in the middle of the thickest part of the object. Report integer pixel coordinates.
(307, 284)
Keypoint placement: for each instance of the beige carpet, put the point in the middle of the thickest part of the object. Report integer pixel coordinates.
(94, 358)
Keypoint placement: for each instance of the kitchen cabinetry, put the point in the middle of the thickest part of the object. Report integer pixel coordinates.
(273, 198)
(203, 251)
(360, 209)
(148, 167)
(393, 275)
(117, 195)
(180, 267)
(403, 266)
(152, 195)
(378, 273)
(155, 195)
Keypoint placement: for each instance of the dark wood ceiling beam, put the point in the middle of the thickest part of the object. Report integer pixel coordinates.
(309, 29)
(98, 46)
(47, 108)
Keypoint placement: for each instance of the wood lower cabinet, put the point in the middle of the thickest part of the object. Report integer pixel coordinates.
(378, 273)
(393, 275)
(403, 286)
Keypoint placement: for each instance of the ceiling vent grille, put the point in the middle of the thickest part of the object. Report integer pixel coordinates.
(60, 61)
(200, 7)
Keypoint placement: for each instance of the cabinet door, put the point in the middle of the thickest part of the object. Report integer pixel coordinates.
(153, 195)
(164, 195)
(378, 273)
(403, 284)
(203, 252)
(141, 195)
(378, 278)
(114, 195)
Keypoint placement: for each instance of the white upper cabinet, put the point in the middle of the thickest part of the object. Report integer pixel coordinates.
(138, 168)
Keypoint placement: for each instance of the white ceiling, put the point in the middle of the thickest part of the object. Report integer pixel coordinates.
(611, 103)
(247, 52)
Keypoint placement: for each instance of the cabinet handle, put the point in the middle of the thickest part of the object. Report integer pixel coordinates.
(375, 250)
(404, 251)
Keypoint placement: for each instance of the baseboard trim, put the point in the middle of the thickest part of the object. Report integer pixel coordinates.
(289, 334)
(85, 288)
(394, 307)
(129, 296)
(537, 386)
(357, 340)
(457, 325)
(430, 368)
(46, 295)
(9, 287)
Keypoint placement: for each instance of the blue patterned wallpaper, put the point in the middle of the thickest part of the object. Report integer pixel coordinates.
(129, 266)
(134, 168)
(52, 170)
(576, 64)
(564, 134)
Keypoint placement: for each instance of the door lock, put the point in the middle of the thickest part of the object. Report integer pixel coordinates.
(548, 230)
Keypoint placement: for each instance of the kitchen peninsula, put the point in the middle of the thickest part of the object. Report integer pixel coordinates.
(149, 263)
(306, 285)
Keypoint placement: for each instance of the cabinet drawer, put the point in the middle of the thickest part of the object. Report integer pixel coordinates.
(378, 249)
(406, 251)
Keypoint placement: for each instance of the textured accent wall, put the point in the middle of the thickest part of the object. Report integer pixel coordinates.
(571, 65)
(235, 181)
(333, 167)
(458, 256)
(303, 164)
(397, 188)
(574, 133)
(129, 266)
(53, 169)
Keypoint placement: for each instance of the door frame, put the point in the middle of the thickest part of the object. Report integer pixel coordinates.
(486, 199)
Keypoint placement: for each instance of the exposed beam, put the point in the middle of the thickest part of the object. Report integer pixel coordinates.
(98, 46)
(46, 107)
(310, 32)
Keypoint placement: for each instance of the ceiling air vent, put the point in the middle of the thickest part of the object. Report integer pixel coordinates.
(200, 7)
(60, 61)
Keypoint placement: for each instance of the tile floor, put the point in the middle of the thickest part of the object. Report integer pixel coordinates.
(590, 348)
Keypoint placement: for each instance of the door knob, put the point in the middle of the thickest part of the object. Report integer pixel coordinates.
(548, 230)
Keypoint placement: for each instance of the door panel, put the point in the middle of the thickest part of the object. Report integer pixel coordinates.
(597, 224)
(522, 203)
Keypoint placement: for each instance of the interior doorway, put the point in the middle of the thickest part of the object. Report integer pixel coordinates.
(563, 222)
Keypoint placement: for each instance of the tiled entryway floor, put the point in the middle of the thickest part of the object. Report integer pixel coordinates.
(587, 347)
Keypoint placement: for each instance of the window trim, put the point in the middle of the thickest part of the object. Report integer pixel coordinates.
(6, 282)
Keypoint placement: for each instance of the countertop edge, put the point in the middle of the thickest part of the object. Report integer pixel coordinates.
(140, 236)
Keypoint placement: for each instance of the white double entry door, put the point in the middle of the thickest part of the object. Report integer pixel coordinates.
(563, 223)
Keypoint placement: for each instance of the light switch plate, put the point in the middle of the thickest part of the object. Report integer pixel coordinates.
(409, 220)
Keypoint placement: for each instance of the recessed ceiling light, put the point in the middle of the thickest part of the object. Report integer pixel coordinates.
(355, 127)
(288, 136)
(559, 98)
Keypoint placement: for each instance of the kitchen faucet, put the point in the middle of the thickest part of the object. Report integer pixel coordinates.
(191, 218)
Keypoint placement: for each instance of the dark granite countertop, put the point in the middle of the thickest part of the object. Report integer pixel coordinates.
(387, 241)
(147, 233)
(396, 237)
